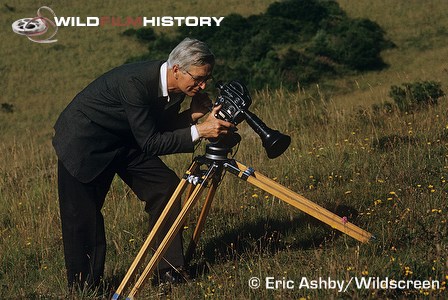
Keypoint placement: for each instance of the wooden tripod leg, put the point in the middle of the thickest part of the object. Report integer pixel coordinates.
(304, 204)
(174, 229)
(189, 191)
(201, 221)
(139, 259)
(187, 195)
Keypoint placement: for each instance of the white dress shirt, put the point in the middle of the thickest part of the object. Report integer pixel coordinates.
(163, 92)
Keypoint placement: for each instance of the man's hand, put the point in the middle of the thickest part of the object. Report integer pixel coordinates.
(213, 127)
(200, 105)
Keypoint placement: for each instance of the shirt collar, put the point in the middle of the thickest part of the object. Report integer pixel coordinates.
(163, 85)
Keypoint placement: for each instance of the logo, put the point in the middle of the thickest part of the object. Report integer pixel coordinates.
(36, 28)
(116, 21)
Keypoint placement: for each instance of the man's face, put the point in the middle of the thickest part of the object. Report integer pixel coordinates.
(193, 80)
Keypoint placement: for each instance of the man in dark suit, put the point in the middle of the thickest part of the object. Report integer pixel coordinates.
(119, 124)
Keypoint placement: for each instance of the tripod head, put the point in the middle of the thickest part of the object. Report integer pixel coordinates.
(220, 148)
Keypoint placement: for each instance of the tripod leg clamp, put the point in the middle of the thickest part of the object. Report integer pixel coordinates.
(236, 171)
(192, 179)
(249, 172)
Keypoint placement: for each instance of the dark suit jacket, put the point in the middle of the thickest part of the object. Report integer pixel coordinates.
(117, 111)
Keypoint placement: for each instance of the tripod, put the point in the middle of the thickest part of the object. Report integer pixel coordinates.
(216, 162)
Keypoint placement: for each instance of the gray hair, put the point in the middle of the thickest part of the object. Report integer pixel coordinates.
(190, 52)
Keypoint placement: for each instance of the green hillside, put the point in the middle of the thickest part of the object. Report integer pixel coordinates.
(383, 169)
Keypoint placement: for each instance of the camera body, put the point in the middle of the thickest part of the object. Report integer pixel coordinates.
(235, 100)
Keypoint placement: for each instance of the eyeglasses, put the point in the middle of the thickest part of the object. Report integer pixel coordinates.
(198, 80)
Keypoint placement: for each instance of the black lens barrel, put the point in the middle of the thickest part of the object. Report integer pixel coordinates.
(274, 142)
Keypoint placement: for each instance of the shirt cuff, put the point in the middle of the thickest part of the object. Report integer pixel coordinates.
(194, 133)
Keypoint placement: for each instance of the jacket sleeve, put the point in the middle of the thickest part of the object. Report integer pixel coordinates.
(142, 116)
(179, 119)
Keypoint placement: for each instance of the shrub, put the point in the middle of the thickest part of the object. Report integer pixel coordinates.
(7, 108)
(356, 44)
(416, 95)
(295, 41)
(142, 34)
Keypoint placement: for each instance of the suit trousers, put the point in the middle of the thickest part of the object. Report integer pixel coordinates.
(80, 203)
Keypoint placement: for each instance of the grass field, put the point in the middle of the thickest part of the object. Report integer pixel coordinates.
(385, 170)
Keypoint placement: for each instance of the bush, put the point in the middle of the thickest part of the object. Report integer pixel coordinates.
(295, 41)
(142, 34)
(416, 95)
(356, 44)
(7, 108)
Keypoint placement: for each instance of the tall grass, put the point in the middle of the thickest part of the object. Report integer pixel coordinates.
(385, 170)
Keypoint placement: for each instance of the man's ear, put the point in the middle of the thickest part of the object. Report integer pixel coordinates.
(176, 70)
